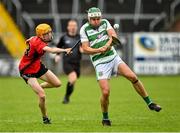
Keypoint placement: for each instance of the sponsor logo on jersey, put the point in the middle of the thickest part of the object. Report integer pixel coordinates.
(67, 41)
(91, 32)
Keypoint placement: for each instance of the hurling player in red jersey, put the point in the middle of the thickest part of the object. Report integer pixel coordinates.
(31, 68)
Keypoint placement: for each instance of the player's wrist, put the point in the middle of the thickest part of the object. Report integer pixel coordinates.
(99, 50)
(63, 50)
(107, 45)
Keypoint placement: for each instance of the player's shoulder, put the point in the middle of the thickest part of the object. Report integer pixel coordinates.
(34, 41)
(105, 20)
(84, 26)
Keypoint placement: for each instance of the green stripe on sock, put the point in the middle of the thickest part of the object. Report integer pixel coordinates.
(147, 100)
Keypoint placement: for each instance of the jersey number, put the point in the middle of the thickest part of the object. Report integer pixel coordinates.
(27, 50)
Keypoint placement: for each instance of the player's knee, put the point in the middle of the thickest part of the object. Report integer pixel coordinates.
(57, 84)
(106, 93)
(72, 82)
(73, 79)
(42, 95)
(42, 99)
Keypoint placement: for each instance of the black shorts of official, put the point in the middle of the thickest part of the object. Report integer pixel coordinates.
(41, 72)
(69, 67)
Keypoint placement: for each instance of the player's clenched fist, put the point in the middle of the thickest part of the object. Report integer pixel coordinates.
(68, 51)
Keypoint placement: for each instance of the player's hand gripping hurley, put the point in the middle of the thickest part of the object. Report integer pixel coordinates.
(73, 47)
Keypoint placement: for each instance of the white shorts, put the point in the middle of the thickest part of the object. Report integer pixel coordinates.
(106, 70)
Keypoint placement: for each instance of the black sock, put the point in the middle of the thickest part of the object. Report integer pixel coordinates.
(69, 89)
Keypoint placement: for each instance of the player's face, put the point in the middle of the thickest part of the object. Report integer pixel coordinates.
(95, 22)
(72, 28)
(47, 37)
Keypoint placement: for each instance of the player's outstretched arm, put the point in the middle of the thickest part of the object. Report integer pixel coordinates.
(57, 50)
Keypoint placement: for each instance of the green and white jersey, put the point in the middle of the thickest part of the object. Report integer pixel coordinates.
(98, 38)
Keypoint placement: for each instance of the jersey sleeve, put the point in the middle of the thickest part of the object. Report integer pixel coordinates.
(108, 24)
(60, 43)
(83, 35)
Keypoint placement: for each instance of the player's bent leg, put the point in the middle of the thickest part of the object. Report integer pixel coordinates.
(42, 97)
(105, 89)
(51, 80)
(72, 77)
(124, 70)
(130, 75)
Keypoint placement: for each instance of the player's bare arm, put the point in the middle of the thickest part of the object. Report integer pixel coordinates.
(88, 50)
(57, 50)
(111, 32)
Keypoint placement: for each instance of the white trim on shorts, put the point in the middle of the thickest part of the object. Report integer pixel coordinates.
(106, 70)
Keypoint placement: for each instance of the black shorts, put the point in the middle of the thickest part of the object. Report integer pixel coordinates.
(69, 67)
(41, 72)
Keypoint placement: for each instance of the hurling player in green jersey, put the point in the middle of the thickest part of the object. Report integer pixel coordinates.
(96, 38)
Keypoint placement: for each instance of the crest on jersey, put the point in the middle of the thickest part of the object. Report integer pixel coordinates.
(100, 73)
(99, 36)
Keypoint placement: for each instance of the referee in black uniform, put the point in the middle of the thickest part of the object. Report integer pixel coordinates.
(71, 63)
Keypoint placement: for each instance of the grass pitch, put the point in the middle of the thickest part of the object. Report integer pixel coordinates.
(19, 106)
